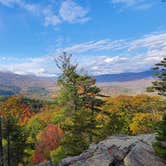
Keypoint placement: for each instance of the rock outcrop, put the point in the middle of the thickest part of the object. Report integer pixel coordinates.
(118, 151)
(45, 164)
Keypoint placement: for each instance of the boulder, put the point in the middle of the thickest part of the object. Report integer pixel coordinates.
(118, 151)
(163, 143)
(142, 155)
(45, 164)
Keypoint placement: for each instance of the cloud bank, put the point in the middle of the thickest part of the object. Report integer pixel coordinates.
(98, 57)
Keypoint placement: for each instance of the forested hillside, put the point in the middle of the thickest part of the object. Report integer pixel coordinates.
(34, 131)
(82, 82)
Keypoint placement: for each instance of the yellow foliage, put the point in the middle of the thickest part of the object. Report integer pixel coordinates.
(143, 122)
(29, 140)
(68, 121)
(102, 118)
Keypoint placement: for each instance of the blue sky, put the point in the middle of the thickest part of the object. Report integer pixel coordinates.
(104, 36)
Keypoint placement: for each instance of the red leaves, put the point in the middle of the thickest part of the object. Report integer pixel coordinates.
(49, 140)
(38, 157)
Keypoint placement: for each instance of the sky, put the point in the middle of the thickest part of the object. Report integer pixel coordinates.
(104, 36)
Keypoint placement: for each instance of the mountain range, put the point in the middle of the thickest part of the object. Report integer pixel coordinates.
(43, 87)
(123, 77)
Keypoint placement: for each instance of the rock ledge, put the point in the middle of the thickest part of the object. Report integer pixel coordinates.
(117, 150)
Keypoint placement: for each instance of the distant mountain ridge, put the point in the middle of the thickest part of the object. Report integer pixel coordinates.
(9, 78)
(44, 87)
(123, 77)
(11, 84)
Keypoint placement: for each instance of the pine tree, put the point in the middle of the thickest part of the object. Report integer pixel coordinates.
(1, 147)
(160, 84)
(76, 140)
(73, 123)
(1, 137)
(78, 98)
(160, 145)
(68, 82)
(92, 100)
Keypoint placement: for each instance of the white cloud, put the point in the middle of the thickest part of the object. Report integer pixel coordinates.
(30, 66)
(45, 12)
(104, 44)
(129, 2)
(134, 4)
(20, 3)
(152, 41)
(50, 18)
(114, 59)
(120, 56)
(8, 3)
(69, 11)
(135, 55)
(73, 12)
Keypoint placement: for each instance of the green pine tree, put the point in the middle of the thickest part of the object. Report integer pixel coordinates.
(1, 147)
(92, 100)
(68, 82)
(76, 140)
(80, 102)
(160, 84)
(160, 145)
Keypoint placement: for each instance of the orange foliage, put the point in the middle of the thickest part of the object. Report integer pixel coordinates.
(81, 89)
(47, 115)
(14, 107)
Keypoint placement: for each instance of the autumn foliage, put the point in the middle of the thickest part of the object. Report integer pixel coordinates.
(16, 108)
(144, 122)
(130, 114)
(49, 139)
(38, 157)
(36, 136)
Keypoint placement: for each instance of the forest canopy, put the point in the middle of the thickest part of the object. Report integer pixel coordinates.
(35, 131)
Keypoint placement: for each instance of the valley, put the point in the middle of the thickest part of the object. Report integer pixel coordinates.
(45, 87)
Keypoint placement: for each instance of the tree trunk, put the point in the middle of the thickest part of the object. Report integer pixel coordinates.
(1, 147)
(8, 143)
(92, 124)
(75, 98)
